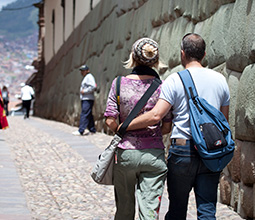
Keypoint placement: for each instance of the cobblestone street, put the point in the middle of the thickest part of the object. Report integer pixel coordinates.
(45, 174)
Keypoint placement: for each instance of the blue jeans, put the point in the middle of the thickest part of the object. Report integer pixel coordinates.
(187, 171)
(86, 118)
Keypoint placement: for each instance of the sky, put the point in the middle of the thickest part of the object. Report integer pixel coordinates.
(5, 2)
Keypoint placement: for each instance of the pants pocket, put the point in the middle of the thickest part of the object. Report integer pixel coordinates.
(182, 165)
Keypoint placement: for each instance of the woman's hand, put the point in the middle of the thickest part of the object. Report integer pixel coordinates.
(166, 127)
(111, 123)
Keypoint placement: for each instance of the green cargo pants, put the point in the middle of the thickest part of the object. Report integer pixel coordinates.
(143, 171)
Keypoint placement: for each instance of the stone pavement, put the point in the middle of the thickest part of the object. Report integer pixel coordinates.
(45, 174)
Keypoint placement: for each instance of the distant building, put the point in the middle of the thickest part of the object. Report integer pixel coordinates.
(57, 20)
(61, 17)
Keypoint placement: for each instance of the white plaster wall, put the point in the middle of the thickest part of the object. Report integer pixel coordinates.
(48, 49)
(68, 18)
(82, 9)
(59, 34)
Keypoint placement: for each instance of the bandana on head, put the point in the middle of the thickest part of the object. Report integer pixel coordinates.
(145, 51)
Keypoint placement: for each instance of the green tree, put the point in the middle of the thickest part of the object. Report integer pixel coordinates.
(19, 19)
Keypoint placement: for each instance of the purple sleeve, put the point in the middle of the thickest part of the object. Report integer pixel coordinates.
(111, 105)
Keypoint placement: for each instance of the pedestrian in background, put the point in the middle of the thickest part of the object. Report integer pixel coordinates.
(140, 167)
(88, 86)
(3, 119)
(27, 94)
(6, 97)
(185, 167)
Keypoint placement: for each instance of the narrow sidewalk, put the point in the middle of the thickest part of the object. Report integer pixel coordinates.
(12, 199)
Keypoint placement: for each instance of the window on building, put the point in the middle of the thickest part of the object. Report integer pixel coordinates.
(91, 5)
(74, 2)
(53, 30)
(64, 17)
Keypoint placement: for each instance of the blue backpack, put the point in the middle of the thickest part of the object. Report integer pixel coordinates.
(209, 128)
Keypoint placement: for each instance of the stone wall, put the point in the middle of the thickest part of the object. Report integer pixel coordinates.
(104, 39)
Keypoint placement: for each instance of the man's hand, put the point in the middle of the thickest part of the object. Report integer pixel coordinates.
(151, 117)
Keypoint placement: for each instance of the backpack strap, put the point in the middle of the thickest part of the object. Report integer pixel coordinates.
(188, 83)
(189, 86)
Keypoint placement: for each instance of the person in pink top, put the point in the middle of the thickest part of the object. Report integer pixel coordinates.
(140, 168)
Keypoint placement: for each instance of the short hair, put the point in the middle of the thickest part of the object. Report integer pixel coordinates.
(193, 46)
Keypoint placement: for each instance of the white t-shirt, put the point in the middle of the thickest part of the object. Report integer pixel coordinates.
(27, 92)
(210, 85)
(88, 86)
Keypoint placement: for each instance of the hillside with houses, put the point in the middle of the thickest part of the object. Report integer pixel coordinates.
(18, 44)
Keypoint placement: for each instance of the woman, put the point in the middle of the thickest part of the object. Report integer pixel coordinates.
(3, 119)
(5, 95)
(140, 160)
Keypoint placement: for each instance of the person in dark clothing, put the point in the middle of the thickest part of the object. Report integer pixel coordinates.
(27, 94)
(5, 95)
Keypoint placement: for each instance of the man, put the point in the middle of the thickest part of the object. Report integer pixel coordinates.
(27, 94)
(88, 86)
(185, 168)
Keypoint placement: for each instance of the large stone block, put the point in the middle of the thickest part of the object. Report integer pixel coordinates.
(169, 38)
(233, 83)
(193, 10)
(245, 114)
(248, 163)
(245, 203)
(232, 78)
(235, 188)
(225, 190)
(216, 43)
(222, 69)
(234, 166)
(240, 51)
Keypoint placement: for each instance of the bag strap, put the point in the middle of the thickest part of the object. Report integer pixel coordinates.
(188, 84)
(118, 92)
(191, 91)
(140, 104)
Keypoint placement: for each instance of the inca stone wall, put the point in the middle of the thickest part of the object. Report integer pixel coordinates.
(104, 39)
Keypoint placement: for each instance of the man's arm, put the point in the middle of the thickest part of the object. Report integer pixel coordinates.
(88, 89)
(88, 85)
(32, 91)
(225, 111)
(152, 117)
